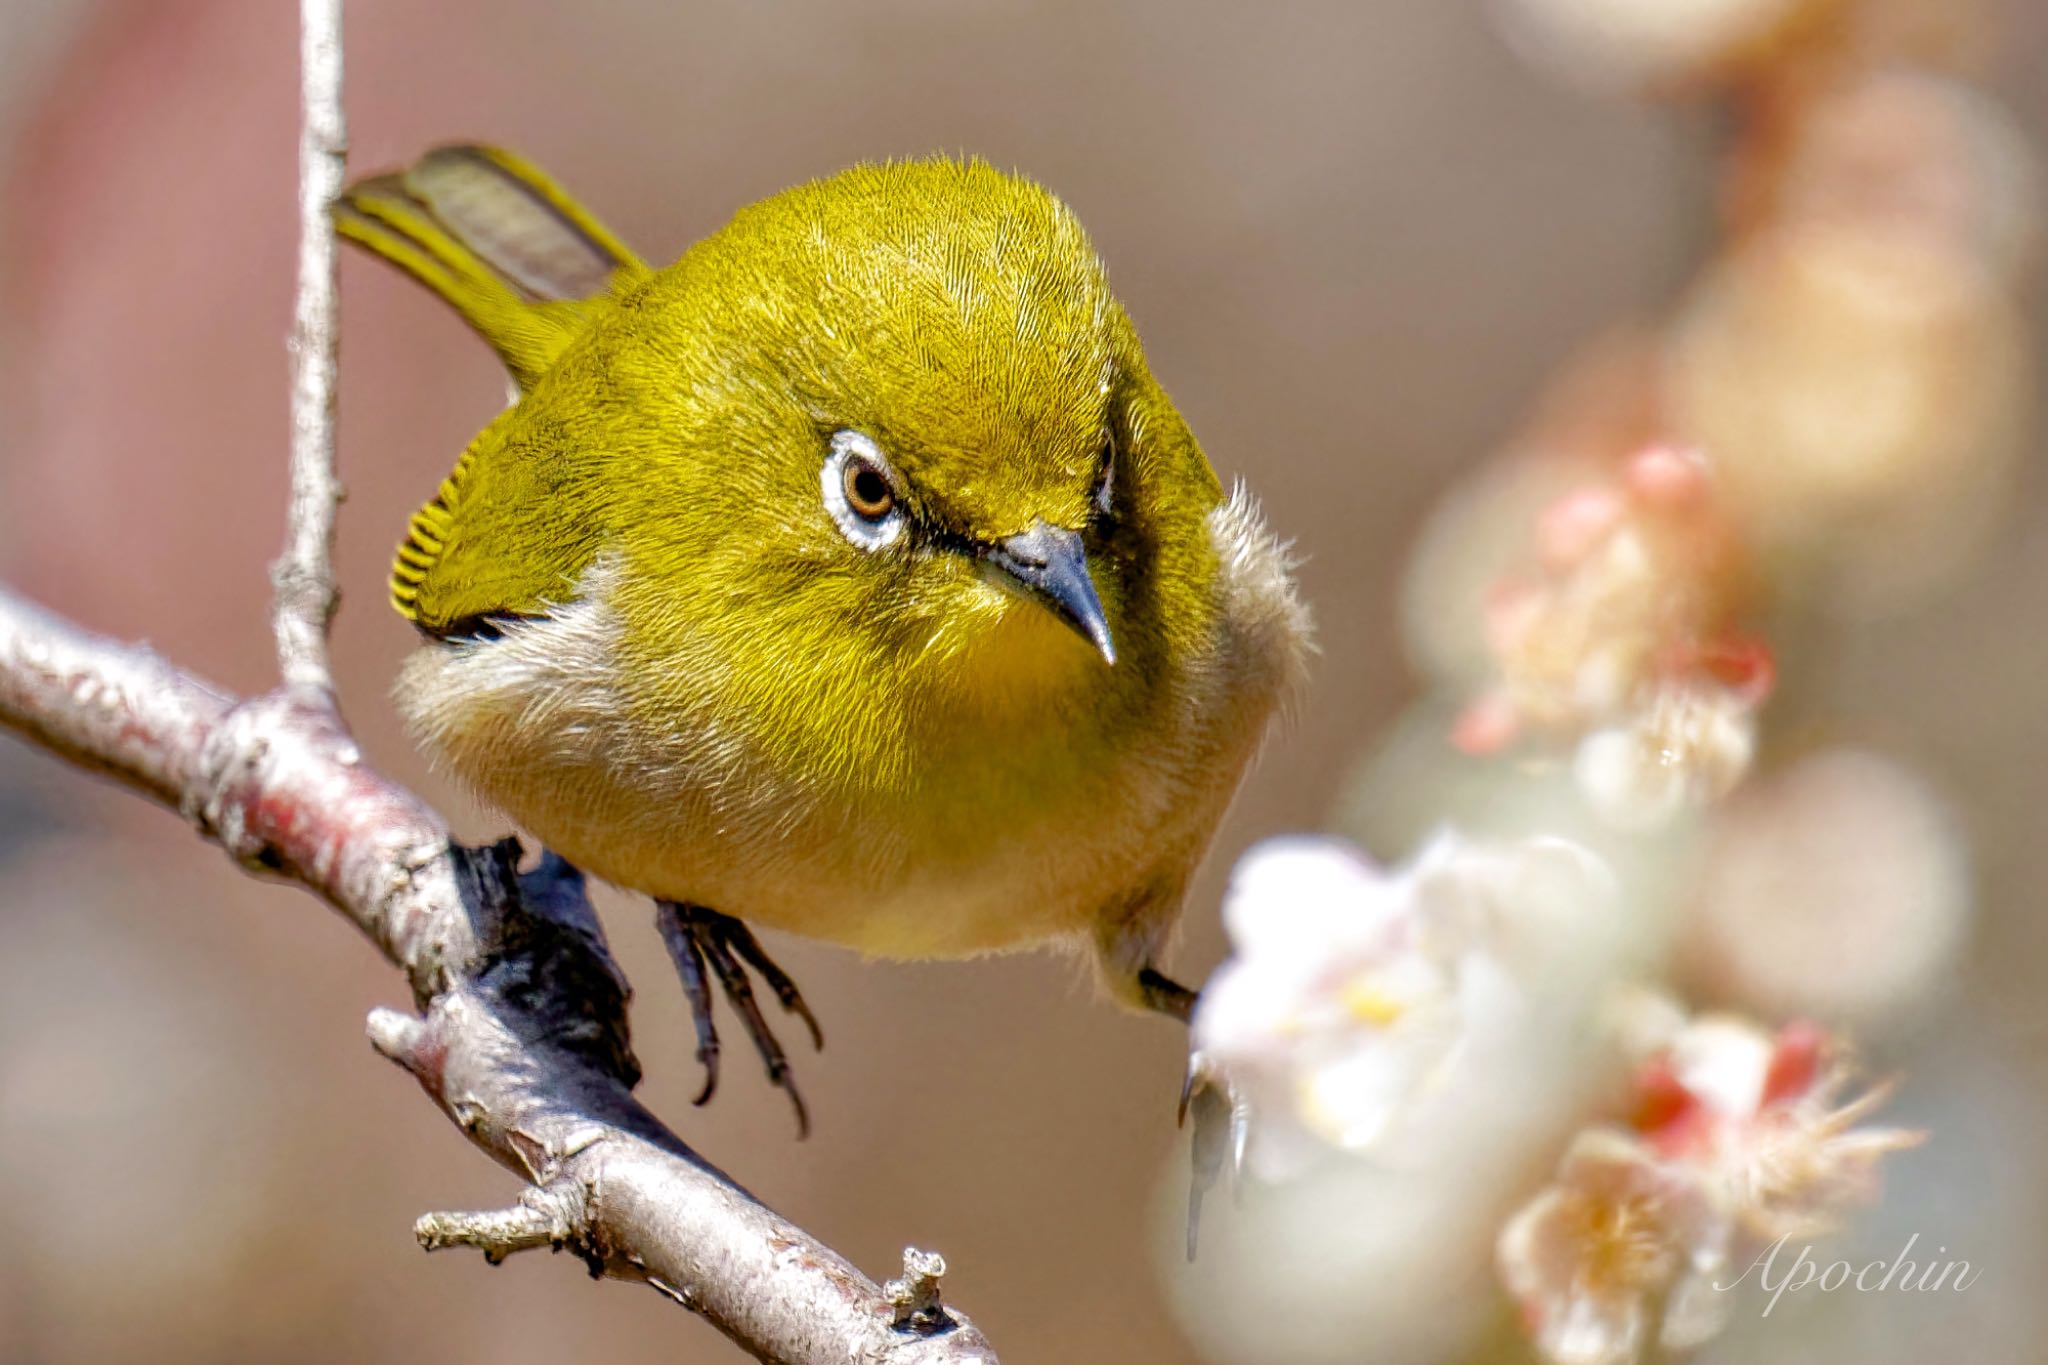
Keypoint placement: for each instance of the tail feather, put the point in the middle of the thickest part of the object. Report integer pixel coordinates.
(504, 245)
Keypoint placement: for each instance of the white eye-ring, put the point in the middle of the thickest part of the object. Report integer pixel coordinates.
(860, 491)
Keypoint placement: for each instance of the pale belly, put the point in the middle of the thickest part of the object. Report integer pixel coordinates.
(983, 846)
(888, 884)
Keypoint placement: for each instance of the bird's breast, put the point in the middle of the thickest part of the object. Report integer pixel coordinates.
(1001, 793)
(1003, 806)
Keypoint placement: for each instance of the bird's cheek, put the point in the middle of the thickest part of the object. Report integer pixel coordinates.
(965, 609)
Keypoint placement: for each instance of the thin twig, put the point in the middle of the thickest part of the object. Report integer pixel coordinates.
(304, 573)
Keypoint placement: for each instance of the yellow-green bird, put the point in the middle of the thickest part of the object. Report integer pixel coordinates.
(851, 576)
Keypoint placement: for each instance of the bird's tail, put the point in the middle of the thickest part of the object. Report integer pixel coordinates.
(505, 246)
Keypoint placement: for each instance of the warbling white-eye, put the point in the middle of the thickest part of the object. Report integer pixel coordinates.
(851, 575)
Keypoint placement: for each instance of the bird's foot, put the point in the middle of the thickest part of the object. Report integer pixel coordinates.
(1163, 995)
(697, 937)
(1221, 1116)
(1223, 1121)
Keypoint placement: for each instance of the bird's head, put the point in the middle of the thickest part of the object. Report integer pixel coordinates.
(938, 449)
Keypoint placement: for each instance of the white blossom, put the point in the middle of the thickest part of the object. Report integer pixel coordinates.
(1357, 992)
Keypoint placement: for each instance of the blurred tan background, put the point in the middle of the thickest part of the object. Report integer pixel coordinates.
(1356, 237)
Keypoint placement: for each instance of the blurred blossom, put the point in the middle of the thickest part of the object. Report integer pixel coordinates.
(1736, 1138)
(1473, 539)
(1631, 584)
(1412, 1041)
(1591, 416)
(1835, 414)
(1359, 998)
(1620, 1248)
(1416, 782)
(1623, 631)
(1901, 148)
(1838, 887)
(1689, 746)
(1862, 387)
(1631, 45)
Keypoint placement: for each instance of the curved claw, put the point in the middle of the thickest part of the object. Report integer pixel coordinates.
(683, 946)
(750, 950)
(678, 935)
(698, 939)
(1223, 1120)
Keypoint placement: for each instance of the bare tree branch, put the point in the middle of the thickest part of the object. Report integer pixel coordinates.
(304, 573)
(521, 1037)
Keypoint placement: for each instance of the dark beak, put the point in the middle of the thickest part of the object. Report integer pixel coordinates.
(1052, 565)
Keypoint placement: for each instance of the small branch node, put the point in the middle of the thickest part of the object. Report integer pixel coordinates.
(469, 1115)
(397, 1036)
(914, 1300)
(549, 1217)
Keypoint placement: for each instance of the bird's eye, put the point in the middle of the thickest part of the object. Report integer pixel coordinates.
(868, 494)
(861, 491)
